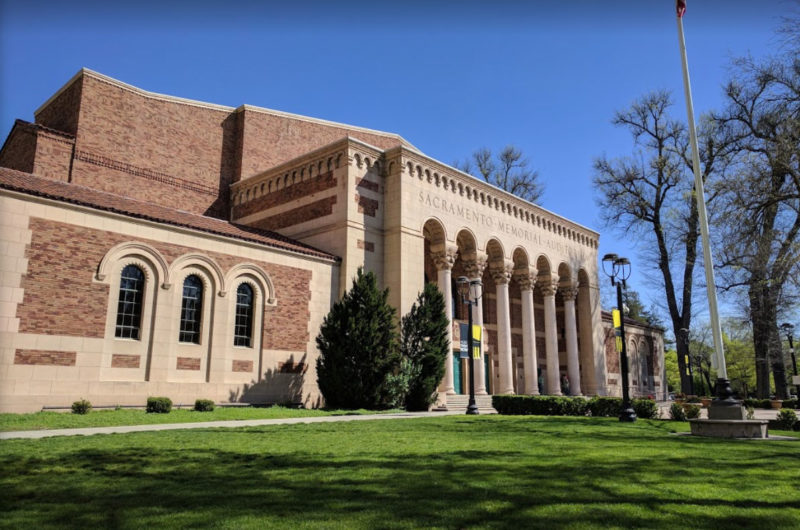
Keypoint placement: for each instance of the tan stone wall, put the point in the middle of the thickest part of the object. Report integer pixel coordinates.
(57, 313)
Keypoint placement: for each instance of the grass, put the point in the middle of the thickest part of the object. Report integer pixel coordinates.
(443, 472)
(110, 418)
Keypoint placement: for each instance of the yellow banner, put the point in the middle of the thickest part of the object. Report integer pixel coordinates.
(617, 319)
(476, 342)
(476, 332)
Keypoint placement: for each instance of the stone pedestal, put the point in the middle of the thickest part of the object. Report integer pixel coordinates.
(730, 428)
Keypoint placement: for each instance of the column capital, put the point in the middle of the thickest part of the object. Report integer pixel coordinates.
(548, 284)
(501, 274)
(568, 292)
(526, 278)
(475, 266)
(445, 258)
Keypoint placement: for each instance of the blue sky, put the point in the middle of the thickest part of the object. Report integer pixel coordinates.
(448, 76)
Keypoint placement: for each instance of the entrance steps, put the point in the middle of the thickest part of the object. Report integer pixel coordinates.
(460, 401)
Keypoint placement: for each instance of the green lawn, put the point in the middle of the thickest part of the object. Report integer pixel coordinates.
(108, 418)
(446, 472)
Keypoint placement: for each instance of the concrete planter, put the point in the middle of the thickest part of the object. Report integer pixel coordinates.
(776, 403)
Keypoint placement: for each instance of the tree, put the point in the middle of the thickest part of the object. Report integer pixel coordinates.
(358, 348)
(651, 194)
(760, 222)
(509, 171)
(671, 369)
(424, 346)
(634, 309)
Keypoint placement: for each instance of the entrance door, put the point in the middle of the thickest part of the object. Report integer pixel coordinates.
(457, 373)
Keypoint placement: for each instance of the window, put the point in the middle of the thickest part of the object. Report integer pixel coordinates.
(243, 326)
(191, 309)
(129, 309)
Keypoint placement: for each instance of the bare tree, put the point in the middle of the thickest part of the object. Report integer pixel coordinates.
(761, 217)
(509, 170)
(651, 194)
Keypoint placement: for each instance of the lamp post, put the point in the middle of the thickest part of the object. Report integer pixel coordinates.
(465, 285)
(789, 329)
(619, 270)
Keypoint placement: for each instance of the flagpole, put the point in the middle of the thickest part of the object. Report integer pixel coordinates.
(716, 331)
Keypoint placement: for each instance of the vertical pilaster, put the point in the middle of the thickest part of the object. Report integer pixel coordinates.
(569, 293)
(548, 286)
(474, 269)
(526, 281)
(501, 277)
(444, 260)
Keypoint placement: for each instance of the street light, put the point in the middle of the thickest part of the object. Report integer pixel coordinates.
(619, 270)
(464, 286)
(789, 329)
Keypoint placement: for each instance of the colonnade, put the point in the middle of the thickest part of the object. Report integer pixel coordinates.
(502, 273)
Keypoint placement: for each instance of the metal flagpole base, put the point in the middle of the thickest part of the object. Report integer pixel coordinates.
(724, 406)
(627, 414)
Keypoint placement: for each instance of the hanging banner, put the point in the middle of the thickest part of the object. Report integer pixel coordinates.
(617, 328)
(476, 342)
(464, 341)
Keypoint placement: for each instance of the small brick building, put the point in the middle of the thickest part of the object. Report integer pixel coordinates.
(152, 245)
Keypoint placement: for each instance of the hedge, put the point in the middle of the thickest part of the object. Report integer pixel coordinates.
(570, 406)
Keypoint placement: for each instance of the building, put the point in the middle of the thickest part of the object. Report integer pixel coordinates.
(153, 245)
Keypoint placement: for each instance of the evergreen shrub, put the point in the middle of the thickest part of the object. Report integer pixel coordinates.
(786, 420)
(81, 407)
(159, 405)
(358, 348)
(692, 412)
(540, 405)
(424, 347)
(204, 405)
(645, 408)
(676, 412)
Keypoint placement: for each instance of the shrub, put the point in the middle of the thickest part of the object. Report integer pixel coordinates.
(692, 412)
(790, 403)
(160, 405)
(676, 412)
(757, 403)
(81, 407)
(751, 413)
(785, 420)
(540, 405)
(645, 408)
(424, 347)
(358, 348)
(609, 407)
(204, 405)
(694, 399)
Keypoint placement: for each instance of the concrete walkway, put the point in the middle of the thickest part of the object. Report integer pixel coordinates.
(213, 424)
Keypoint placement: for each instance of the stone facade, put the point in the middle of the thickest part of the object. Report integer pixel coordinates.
(111, 176)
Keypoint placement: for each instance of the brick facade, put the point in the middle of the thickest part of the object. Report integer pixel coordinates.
(125, 361)
(45, 357)
(61, 299)
(296, 191)
(188, 363)
(242, 366)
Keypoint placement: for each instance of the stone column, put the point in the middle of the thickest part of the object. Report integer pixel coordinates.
(501, 277)
(526, 281)
(548, 286)
(444, 260)
(474, 269)
(573, 363)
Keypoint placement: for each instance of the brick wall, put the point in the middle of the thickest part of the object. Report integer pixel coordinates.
(61, 299)
(296, 191)
(53, 155)
(19, 150)
(612, 356)
(125, 361)
(242, 366)
(269, 140)
(63, 110)
(45, 357)
(308, 212)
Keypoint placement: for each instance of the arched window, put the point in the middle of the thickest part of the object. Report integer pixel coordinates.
(129, 308)
(243, 326)
(191, 309)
